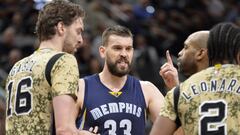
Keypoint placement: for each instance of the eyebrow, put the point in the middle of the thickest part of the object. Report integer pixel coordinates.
(80, 29)
(122, 45)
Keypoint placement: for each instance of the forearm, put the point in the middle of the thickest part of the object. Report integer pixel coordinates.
(64, 114)
(163, 126)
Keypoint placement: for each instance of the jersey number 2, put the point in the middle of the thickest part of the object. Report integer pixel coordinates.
(23, 97)
(213, 115)
(125, 123)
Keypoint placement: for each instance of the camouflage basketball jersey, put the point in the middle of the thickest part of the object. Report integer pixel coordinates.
(209, 102)
(30, 94)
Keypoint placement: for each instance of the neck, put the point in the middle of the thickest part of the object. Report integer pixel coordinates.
(202, 64)
(202, 67)
(111, 81)
(54, 44)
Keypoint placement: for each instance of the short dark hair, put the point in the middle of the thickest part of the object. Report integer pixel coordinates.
(54, 12)
(115, 30)
(224, 44)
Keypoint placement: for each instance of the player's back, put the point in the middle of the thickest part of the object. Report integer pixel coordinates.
(209, 101)
(29, 95)
(118, 113)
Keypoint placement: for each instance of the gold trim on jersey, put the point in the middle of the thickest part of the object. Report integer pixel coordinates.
(83, 119)
(115, 94)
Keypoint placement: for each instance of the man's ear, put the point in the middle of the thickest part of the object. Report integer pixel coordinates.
(60, 28)
(201, 54)
(102, 51)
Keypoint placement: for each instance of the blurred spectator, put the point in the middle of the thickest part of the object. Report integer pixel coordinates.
(7, 43)
(83, 56)
(94, 66)
(3, 76)
(146, 61)
(14, 56)
(17, 22)
(234, 11)
(215, 8)
(129, 16)
(2, 111)
(143, 10)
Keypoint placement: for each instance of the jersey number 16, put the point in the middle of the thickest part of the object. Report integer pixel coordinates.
(23, 97)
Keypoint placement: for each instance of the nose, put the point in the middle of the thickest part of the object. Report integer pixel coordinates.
(80, 40)
(180, 53)
(123, 53)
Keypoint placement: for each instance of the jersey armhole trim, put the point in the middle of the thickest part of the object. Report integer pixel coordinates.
(176, 93)
(50, 65)
(81, 113)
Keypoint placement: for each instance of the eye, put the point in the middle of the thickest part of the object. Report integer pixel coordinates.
(79, 31)
(117, 47)
(129, 48)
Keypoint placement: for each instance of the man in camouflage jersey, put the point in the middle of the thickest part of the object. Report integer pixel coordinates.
(41, 88)
(208, 102)
(191, 59)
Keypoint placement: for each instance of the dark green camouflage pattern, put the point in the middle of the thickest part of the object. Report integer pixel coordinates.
(64, 78)
(226, 91)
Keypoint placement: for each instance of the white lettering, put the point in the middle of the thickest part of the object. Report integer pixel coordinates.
(128, 108)
(203, 86)
(104, 109)
(139, 111)
(194, 90)
(121, 106)
(113, 107)
(96, 113)
(231, 85)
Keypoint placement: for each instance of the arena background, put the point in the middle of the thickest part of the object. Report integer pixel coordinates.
(157, 25)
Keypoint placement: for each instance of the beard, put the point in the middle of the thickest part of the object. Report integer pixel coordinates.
(187, 68)
(118, 71)
(68, 46)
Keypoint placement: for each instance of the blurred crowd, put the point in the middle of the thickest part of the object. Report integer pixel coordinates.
(157, 25)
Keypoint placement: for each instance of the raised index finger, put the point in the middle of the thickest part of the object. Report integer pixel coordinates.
(169, 59)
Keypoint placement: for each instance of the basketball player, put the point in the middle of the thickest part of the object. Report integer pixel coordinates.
(207, 102)
(191, 59)
(114, 101)
(43, 86)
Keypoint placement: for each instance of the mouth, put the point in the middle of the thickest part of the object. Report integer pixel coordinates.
(78, 46)
(178, 62)
(123, 62)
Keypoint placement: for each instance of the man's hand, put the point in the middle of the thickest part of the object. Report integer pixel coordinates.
(169, 72)
(91, 131)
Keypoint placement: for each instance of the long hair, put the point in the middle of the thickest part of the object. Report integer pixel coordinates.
(224, 44)
(54, 12)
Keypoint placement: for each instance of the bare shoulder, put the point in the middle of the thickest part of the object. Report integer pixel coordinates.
(146, 85)
(81, 83)
(81, 92)
(153, 97)
(150, 91)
